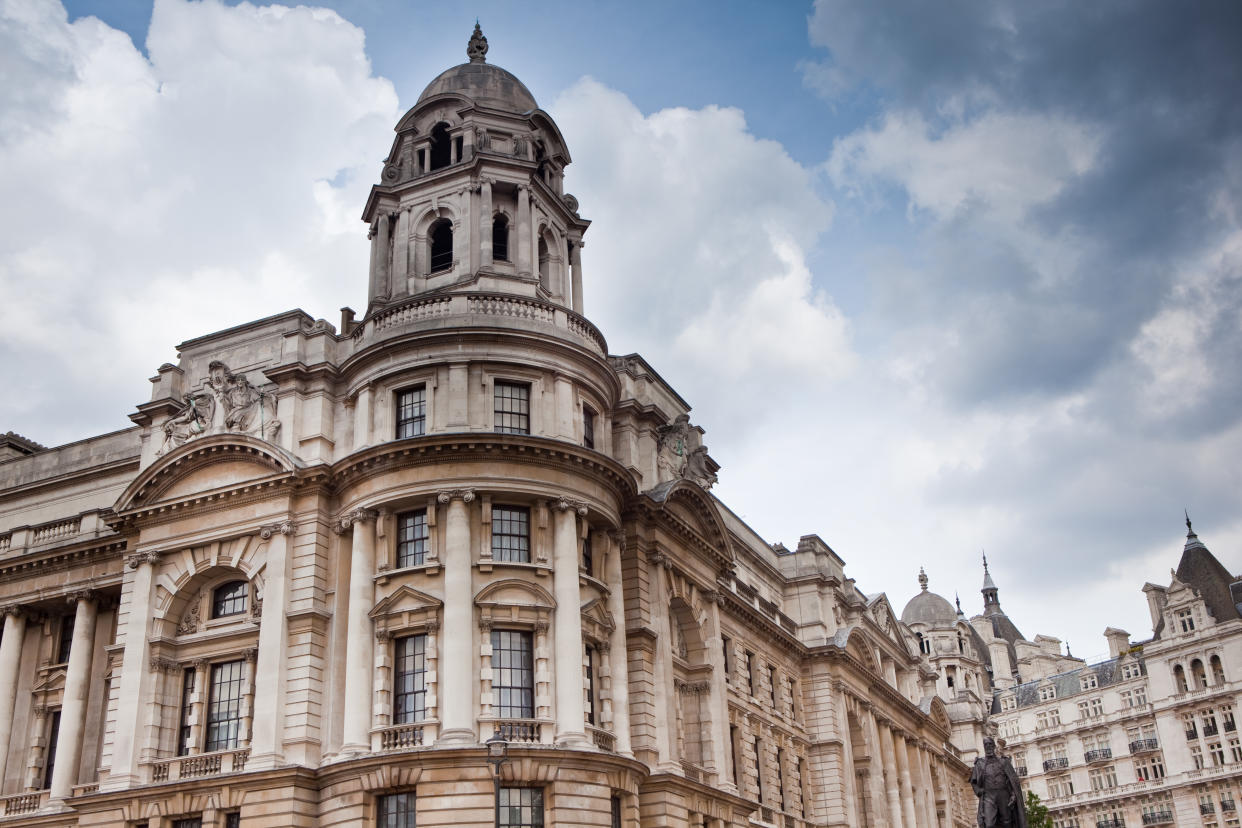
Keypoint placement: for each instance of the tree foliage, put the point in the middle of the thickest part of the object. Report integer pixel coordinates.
(1036, 812)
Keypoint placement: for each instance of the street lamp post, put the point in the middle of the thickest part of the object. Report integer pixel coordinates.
(497, 755)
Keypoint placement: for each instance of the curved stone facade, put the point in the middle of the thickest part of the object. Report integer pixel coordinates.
(326, 567)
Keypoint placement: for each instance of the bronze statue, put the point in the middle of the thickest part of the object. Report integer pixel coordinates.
(1000, 794)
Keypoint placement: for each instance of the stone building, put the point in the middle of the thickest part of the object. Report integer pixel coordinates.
(1147, 736)
(329, 571)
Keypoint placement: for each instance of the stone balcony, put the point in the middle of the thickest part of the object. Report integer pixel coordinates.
(199, 765)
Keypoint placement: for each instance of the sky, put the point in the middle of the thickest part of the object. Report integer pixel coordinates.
(935, 278)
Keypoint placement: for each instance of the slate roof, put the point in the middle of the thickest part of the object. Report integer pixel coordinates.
(1199, 569)
(1069, 683)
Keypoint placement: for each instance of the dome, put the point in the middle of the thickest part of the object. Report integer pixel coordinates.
(929, 608)
(482, 82)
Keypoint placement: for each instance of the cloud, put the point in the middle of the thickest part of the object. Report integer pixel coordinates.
(697, 252)
(179, 194)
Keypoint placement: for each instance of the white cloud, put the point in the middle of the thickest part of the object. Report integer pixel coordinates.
(211, 182)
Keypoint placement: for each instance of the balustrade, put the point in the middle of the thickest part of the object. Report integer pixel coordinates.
(401, 737)
(203, 764)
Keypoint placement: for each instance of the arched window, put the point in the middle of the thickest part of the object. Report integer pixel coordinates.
(545, 265)
(1218, 671)
(500, 238)
(1179, 678)
(441, 246)
(229, 599)
(1198, 674)
(441, 146)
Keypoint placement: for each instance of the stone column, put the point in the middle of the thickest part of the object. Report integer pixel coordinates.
(77, 690)
(618, 652)
(361, 637)
(902, 750)
(570, 711)
(485, 222)
(382, 282)
(456, 664)
(267, 731)
(717, 695)
(135, 677)
(925, 783)
(400, 255)
(849, 783)
(576, 264)
(10, 665)
(892, 786)
(661, 668)
(524, 232)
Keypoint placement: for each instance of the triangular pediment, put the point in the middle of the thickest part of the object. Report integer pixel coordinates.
(596, 611)
(406, 599)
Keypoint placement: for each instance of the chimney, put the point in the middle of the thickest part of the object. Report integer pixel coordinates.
(1118, 641)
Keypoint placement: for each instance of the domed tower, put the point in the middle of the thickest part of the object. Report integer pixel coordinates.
(471, 195)
(950, 647)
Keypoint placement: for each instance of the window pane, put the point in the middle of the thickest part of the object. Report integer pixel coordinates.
(410, 690)
(411, 412)
(522, 807)
(412, 535)
(229, 599)
(513, 674)
(188, 822)
(588, 427)
(512, 408)
(395, 810)
(183, 726)
(66, 638)
(53, 737)
(511, 533)
(224, 706)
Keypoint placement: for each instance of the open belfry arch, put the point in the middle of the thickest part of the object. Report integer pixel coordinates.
(327, 565)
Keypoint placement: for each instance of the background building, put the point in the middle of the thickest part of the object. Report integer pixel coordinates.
(1147, 736)
(326, 566)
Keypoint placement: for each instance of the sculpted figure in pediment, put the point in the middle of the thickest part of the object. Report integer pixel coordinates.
(226, 403)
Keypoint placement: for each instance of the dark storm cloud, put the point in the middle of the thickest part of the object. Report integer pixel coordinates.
(1156, 83)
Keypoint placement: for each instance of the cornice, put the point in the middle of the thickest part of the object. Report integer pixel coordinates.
(61, 558)
(440, 448)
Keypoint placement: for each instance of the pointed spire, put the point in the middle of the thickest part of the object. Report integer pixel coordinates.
(1192, 540)
(922, 579)
(988, 583)
(476, 49)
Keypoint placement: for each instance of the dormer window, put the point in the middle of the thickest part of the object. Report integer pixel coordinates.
(441, 147)
(1047, 692)
(500, 238)
(229, 599)
(1089, 682)
(1185, 620)
(441, 235)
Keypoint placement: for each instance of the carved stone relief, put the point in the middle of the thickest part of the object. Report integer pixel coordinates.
(682, 455)
(227, 402)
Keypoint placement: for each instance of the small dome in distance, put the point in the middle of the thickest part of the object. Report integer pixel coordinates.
(928, 608)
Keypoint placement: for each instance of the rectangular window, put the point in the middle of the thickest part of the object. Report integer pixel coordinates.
(802, 787)
(513, 674)
(66, 639)
(188, 822)
(750, 673)
(588, 427)
(224, 706)
(511, 533)
(521, 807)
(588, 558)
(187, 701)
(412, 412)
(409, 698)
(616, 811)
(1186, 620)
(232, 819)
(737, 751)
(395, 810)
(758, 770)
(780, 776)
(726, 644)
(772, 686)
(412, 538)
(589, 664)
(512, 407)
(49, 763)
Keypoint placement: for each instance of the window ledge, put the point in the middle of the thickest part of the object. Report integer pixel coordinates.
(431, 568)
(540, 569)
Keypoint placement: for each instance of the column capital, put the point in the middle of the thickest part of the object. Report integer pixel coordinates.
(163, 665)
(137, 559)
(16, 610)
(485, 625)
(284, 527)
(541, 626)
(79, 595)
(431, 627)
(565, 504)
(709, 596)
(347, 520)
(383, 635)
(251, 654)
(448, 495)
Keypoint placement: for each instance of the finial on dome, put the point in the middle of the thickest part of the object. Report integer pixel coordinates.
(1189, 529)
(985, 562)
(476, 49)
(922, 579)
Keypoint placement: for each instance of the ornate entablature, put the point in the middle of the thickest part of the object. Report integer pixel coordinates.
(227, 403)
